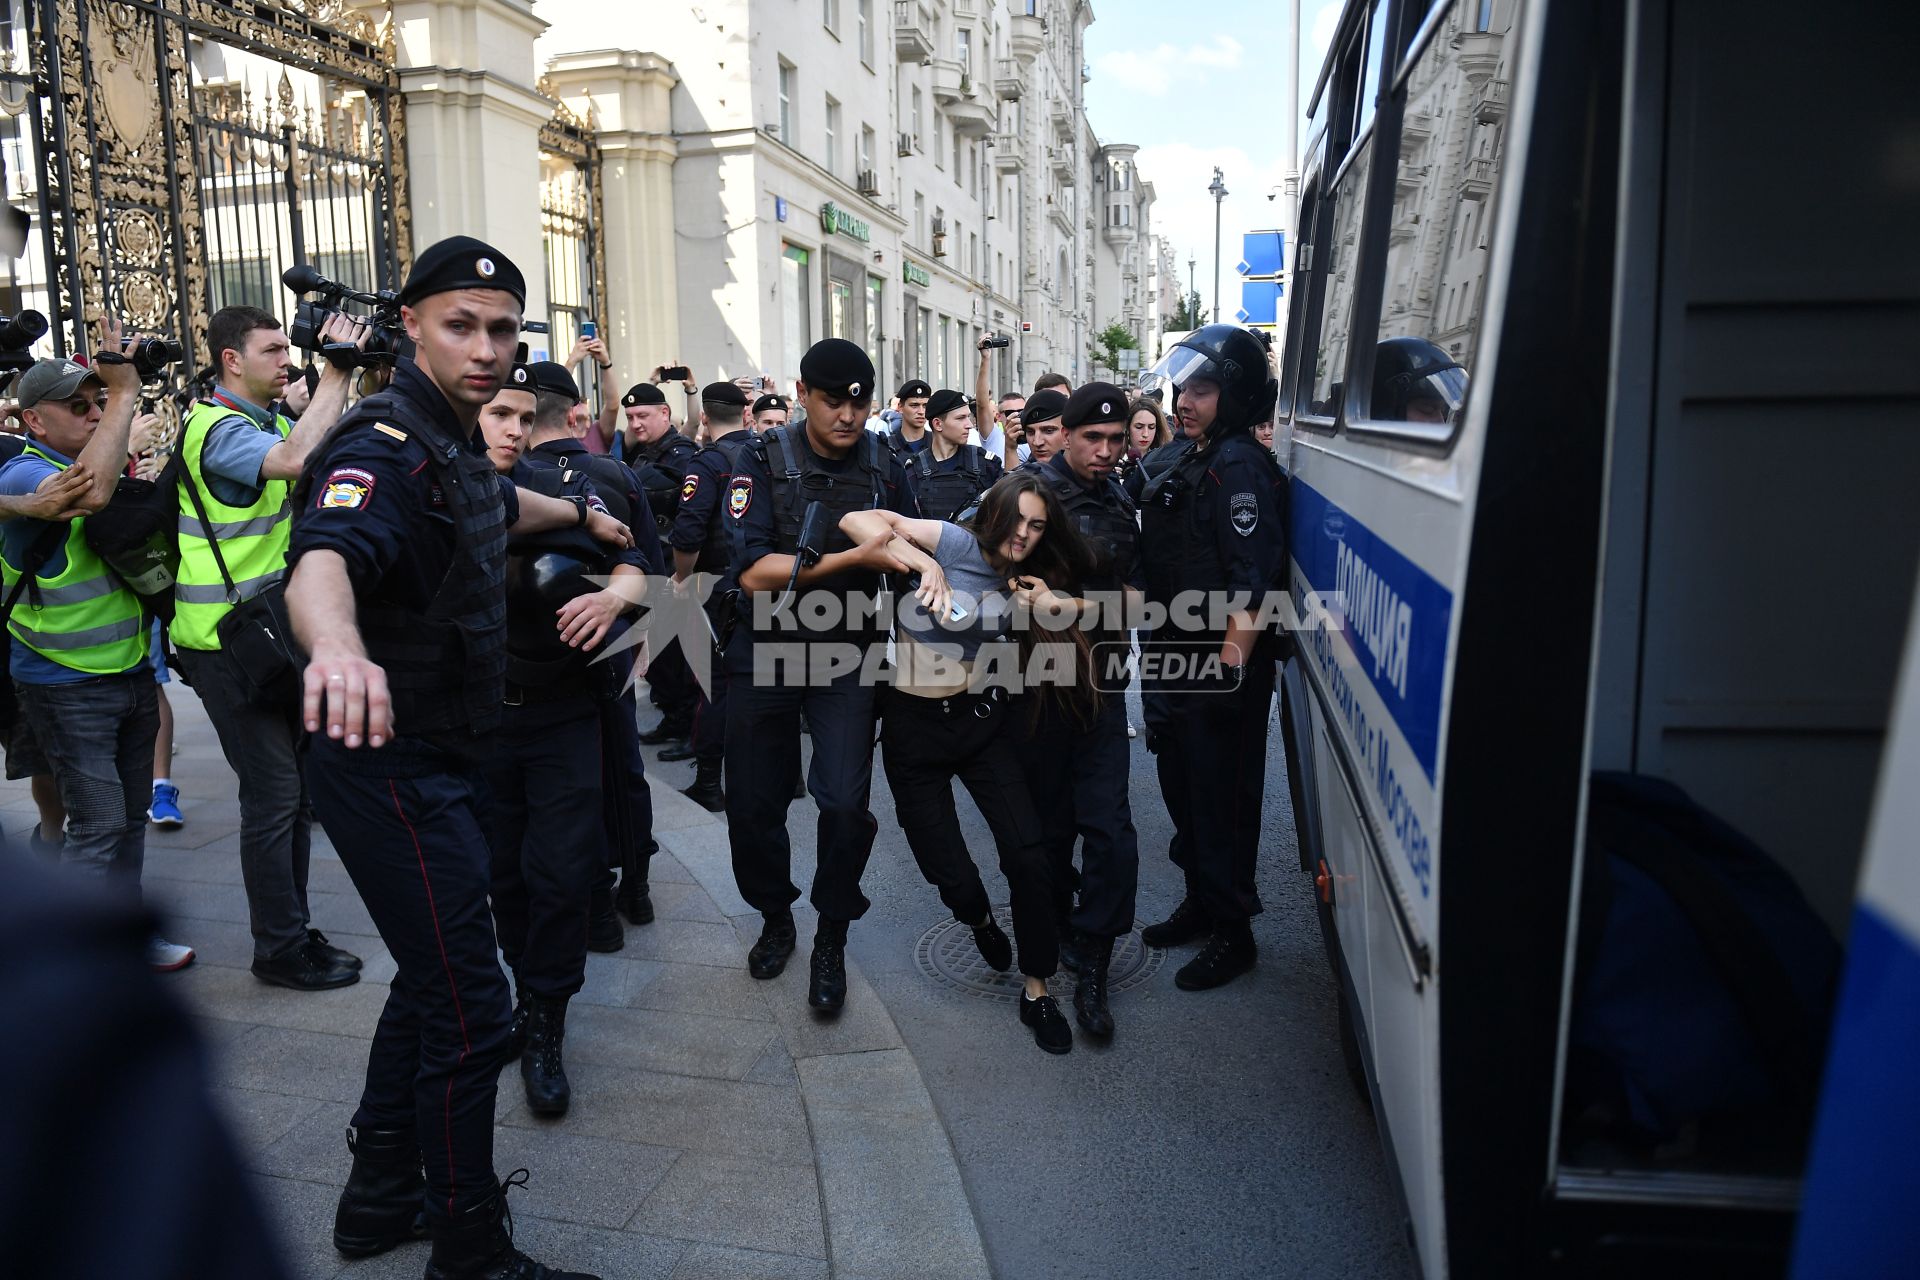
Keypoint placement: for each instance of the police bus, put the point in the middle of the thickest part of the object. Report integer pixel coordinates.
(1598, 403)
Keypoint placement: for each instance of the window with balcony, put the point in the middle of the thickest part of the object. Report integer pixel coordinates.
(786, 101)
(963, 51)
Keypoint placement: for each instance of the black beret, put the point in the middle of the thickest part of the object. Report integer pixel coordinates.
(642, 393)
(1095, 402)
(913, 388)
(945, 402)
(770, 401)
(552, 377)
(519, 378)
(1042, 405)
(461, 262)
(723, 393)
(837, 368)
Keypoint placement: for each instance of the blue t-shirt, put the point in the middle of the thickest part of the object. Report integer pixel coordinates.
(979, 590)
(18, 478)
(234, 450)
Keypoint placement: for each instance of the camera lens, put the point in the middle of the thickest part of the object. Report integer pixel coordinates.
(22, 330)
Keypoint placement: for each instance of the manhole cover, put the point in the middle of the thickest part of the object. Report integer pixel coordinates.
(946, 954)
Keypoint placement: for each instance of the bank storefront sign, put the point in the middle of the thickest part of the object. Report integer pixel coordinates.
(915, 275)
(837, 221)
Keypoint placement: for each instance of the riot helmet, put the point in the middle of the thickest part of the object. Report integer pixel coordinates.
(1415, 381)
(1229, 357)
(540, 578)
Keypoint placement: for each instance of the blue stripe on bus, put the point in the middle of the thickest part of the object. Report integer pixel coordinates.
(1397, 614)
(1857, 1212)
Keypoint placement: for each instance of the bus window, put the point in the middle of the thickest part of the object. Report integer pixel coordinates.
(1452, 146)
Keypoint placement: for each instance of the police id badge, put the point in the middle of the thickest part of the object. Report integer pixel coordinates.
(1243, 509)
(739, 496)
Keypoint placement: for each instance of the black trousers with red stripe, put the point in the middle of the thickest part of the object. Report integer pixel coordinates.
(408, 824)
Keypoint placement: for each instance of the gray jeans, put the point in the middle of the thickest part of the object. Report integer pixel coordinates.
(276, 815)
(97, 735)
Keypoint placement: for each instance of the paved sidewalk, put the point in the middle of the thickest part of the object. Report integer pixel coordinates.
(718, 1130)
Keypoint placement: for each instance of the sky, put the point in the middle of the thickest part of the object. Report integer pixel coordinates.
(1201, 93)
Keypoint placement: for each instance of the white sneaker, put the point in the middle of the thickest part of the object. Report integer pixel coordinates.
(1132, 732)
(165, 957)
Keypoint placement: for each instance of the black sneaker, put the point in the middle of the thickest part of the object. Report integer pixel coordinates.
(1050, 1029)
(993, 944)
(1187, 924)
(769, 956)
(1227, 955)
(302, 967)
(318, 941)
(827, 984)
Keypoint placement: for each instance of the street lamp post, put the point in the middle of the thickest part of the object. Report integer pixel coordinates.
(1218, 190)
(1193, 306)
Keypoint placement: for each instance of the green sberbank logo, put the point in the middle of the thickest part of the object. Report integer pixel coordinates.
(915, 275)
(834, 219)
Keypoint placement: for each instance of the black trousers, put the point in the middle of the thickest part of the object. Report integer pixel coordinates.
(671, 686)
(1078, 780)
(547, 832)
(626, 800)
(408, 825)
(762, 760)
(927, 743)
(710, 714)
(1212, 757)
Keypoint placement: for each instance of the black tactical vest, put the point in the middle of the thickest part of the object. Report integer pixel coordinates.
(1105, 516)
(1180, 549)
(798, 479)
(662, 470)
(609, 478)
(544, 571)
(716, 546)
(943, 494)
(445, 662)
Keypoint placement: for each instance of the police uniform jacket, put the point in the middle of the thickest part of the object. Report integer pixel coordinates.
(700, 525)
(1215, 521)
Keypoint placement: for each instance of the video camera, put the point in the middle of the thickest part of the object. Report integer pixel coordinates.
(387, 343)
(17, 333)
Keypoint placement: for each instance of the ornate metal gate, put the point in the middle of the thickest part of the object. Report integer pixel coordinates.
(179, 154)
(571, 225)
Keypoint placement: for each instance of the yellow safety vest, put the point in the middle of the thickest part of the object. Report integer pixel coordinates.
(253, 538)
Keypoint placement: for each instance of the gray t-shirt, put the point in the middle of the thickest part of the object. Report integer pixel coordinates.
(978, 589)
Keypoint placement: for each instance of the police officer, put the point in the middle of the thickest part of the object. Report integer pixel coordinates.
(911, 434)
(1213, 523)
(397, 594)
(661, 459)
(626, 800)
(835, 462)
(770, 410)
(1078, 773)
(1040, 422)
(547, 832)
(701, 544)
(949, 474)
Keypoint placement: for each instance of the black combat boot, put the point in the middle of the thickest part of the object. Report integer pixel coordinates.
(633, 898)
(769, 956)
(605, 934)
(383, 1204)
(674, 752)
(1187, 924)
(1090, 992)
(1073, 948)
(544, 1074)
(478, 1244)
(1227, 955)
(670, 729)
(706, 790)
(827, 983)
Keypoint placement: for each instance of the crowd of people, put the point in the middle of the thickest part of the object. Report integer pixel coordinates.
(415, 601)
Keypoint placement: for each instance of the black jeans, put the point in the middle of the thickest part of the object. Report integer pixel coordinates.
(262, 745)
(1078, 779)
(927, 743)
(97, 735)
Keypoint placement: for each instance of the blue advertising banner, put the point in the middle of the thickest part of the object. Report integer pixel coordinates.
(1263, 253)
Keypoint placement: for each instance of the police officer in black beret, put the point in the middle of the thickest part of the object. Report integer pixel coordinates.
(661, 458)
(1213, 524)
(911, 434)
(770, 410)
(949, 474)
(835, 462)
(626, 800)
(397, 592)
(1078, 774)
(702, 545)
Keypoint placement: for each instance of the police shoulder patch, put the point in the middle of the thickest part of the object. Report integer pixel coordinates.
(1243, 509)
(689, 486)
(739, 496)
(345, 489)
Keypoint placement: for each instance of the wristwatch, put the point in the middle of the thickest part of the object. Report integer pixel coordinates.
(580, 504)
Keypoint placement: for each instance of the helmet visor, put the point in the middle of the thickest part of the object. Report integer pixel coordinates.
(1178, 367)
(1435, 397)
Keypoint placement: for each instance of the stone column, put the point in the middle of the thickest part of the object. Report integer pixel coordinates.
(473, 127)
(627, 96)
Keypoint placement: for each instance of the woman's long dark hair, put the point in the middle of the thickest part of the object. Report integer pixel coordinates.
(1065, 561)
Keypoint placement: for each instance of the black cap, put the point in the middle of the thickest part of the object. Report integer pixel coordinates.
(837, 368)
(552, 377)
(911, 388)
(723, 393)
(1095, 402)
(945, 402)
(1041, 406)
(461, 262)
(519, 378)
(770, 401)
(642, 393)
